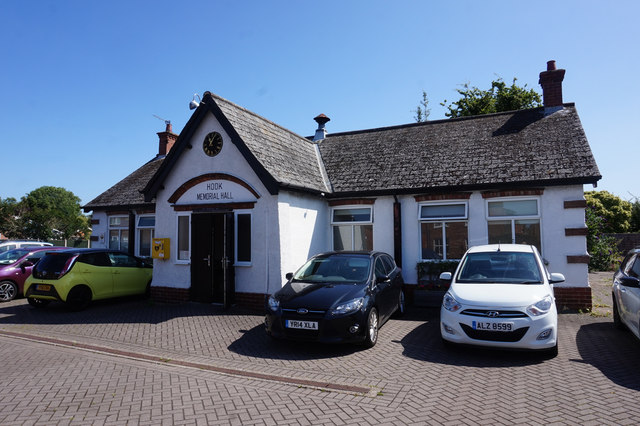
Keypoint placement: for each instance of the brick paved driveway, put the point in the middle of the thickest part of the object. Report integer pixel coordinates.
(130, 361)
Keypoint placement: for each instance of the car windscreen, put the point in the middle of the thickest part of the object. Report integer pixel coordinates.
(9, 257)
(336, 268)
(500, 267)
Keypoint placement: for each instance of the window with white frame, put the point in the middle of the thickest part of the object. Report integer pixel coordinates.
(146, 226)
(119, 233)
(443, 230)
(243, 239)
(352, 228)
(184, 238)
(514, 222)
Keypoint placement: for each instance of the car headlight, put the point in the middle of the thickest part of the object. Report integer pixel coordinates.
(274, 304)
(450, 303)
(348, 307)
(541, 307)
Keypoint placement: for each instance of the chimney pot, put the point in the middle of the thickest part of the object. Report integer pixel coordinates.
(551, 65)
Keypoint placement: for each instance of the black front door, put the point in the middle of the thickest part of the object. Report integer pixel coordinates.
(212, 278)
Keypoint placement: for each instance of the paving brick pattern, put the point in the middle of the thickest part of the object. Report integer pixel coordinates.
(412, 377)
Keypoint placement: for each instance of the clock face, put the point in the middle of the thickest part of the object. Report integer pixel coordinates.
(212, 144)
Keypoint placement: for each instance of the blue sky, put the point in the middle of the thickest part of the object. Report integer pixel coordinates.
(81, 81)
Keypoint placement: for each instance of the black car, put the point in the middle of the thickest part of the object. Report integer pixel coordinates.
(337, 297)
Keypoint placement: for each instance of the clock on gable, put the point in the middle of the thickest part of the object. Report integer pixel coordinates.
(212, 144)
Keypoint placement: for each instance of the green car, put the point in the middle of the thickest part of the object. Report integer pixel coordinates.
(79, 276)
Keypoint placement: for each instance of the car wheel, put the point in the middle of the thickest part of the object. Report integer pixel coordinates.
(8, 291)
(401, 305)
(38, 303)
(78, 298)
(617, 322)
(372, 329)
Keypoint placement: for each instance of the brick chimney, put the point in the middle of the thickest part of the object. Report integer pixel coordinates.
(167, 139)
(551, 82)
(321, 133)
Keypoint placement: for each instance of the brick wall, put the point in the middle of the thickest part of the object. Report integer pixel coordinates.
(254, 301)
(573, 298)
(627, 242)
(169, 294)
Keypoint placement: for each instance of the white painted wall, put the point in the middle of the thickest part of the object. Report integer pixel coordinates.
(303, 222)
(100, 230)
(554, 218)
(555, 245)
(192, 163)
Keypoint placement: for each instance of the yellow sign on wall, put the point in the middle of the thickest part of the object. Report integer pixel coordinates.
(160, 248)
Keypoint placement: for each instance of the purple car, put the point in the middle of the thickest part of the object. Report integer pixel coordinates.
(16, 266)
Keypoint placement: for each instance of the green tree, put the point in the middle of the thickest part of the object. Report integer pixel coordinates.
(9, 213)
(614, 211)
(602, 248)
(498, 98)
(50, 212)
(634, 221)
(422, 111)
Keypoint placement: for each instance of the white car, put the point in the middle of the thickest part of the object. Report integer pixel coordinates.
(626, 293)
(7, 245)
(501, 295)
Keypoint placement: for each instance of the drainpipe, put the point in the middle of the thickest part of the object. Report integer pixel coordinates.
(397, 231)
(132, 232)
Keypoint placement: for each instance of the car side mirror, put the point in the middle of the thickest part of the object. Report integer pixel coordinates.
(288, 276)
(630, 282)
(556, 278)
(381, 278)
(25, 265)
(446, 276)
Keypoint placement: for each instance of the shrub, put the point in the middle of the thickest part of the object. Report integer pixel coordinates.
(602, 248)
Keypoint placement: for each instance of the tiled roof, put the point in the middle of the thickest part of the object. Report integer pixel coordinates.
(488, 151)
(503, 149)
(289, 158)
(127, 192)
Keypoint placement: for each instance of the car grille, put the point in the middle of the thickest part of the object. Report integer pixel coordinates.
(310, 315)
(495, 336)
(486, 313)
